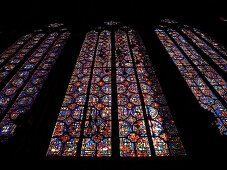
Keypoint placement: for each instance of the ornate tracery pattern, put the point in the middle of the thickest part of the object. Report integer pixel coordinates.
(84, 126)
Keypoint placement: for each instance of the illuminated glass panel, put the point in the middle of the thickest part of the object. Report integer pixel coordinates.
(217, 45)
(216, 58)
(209, 73)
(19, 56)
(17, 81)
(97, 131)
(68, 127)
(132, 130)
(202, 92)
(13, 48)
(84, 126)
(29, 93)
(133, 135)
(165, 137)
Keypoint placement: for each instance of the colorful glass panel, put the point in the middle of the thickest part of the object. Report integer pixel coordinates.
(18, 57)
(29, 93)
(13, 48)
(84, 126)
(13, 87)
(97, 130)
(209, 73)
(132, 130)
(199, 88)
(164, 133)
(67, 130)
(217, 45)
(215, 57)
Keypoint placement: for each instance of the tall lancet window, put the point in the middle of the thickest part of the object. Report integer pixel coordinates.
(24, 69)
(114, 105)
(201, 61)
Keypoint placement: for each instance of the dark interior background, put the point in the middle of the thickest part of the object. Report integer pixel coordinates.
(201, 139)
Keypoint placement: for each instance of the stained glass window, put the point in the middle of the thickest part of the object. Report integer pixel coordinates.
(212, 41)
(67, 130)
(114, 101)
(20, 92)
(19, 56)
(206, 84)
(209, 73)
(216, 58)
(13, 48)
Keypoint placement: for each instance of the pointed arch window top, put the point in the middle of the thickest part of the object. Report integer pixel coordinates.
(55, 25)
(169, 21)
(111, 23)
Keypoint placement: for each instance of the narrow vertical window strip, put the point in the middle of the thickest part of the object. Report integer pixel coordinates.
(215, 57)
(13, 87)
(97, 131)
(209, 73)
(164, 133)
(132, 129)
(143, 105)
(80, 142)
(212, 41)
(19, 57)
(201, 91)
(4, 56)
(67, 130)
(29, 93)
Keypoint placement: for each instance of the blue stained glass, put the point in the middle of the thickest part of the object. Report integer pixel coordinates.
(210, 74)
(201, 91)
(85, 119)
(73, 108)
(27, 96)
